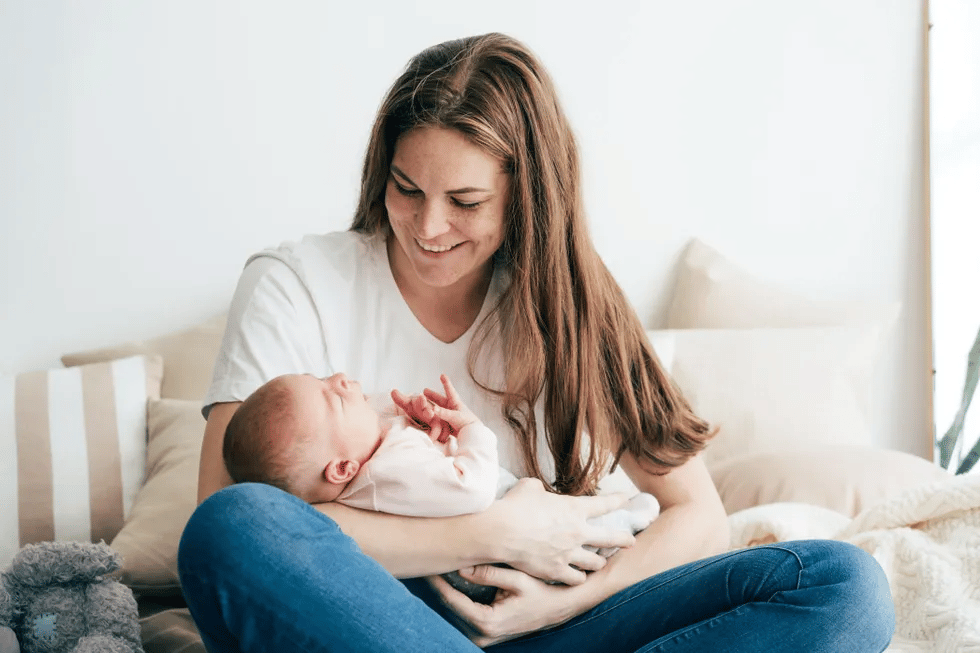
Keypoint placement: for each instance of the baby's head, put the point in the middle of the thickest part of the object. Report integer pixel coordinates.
(305, 435)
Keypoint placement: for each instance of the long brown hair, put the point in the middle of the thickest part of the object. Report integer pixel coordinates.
(568, 330)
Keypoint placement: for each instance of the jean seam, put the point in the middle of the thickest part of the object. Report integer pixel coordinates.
(678, 633)
(647, 590)
(735, 611)
(799, 561)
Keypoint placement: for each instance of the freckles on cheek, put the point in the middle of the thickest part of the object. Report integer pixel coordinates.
(397, 206)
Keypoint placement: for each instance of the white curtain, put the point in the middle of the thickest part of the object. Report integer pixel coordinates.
(955, 214)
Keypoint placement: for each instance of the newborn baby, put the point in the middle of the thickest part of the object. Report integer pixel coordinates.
(321, 440)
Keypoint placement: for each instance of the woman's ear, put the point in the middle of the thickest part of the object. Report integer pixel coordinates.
(340, 471)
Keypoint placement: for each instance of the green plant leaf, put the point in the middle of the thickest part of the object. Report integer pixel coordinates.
(970, 459)
(948, 441)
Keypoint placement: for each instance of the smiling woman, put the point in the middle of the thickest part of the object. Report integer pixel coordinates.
(445, 201)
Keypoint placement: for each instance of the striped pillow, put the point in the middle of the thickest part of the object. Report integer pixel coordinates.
(72, 450)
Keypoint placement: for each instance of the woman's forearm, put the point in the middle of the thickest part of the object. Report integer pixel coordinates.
(692, 525)
(681, 534)
(419, 546)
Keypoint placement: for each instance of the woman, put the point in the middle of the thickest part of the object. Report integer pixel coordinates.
(469, 255)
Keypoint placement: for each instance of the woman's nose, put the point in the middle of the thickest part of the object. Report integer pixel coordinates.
(431, 220)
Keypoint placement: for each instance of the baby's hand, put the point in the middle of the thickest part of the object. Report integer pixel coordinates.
(441, 416)
(449, 407)
(421, 411)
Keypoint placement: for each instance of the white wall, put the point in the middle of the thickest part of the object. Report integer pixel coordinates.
(147, 148)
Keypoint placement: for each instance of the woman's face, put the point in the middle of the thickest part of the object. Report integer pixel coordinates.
(445, 199)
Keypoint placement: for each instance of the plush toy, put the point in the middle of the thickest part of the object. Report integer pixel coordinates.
(8, 640)
(62, 602)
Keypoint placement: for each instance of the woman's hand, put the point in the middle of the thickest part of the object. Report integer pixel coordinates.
(543, 533)
(524, 604)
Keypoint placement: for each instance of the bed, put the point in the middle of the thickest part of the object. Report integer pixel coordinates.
(787, 380)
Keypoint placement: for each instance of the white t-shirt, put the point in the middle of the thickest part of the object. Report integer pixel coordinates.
(330, 304)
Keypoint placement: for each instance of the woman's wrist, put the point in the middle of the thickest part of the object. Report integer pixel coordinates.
(484, 536)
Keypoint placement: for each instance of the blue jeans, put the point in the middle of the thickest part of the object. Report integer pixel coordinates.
(263, 571)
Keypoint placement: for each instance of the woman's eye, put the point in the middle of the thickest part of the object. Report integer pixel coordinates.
(407, 192)
(465, 205)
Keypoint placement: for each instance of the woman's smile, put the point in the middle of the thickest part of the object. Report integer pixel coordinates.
(431, 248)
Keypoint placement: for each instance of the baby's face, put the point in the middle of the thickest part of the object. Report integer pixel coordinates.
(336, 408)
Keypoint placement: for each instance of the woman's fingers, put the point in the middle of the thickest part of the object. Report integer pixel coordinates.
(503, 578)
(603, 503)
(587, 560)
(478, 615)
(568, 575)
(473, 615)
(607, 538)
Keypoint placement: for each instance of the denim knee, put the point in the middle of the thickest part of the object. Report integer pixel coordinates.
(863, 593)
(244, 520)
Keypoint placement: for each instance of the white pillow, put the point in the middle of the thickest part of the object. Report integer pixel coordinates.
(72, 450)
(769, 389)
(711, 292)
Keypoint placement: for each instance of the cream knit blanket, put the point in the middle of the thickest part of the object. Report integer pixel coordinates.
(926, 539)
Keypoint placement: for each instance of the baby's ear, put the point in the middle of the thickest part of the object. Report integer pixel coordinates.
(340, 471)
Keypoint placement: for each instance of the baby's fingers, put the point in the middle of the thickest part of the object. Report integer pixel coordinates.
(450, 391)
(400, 399)
(422, 407)
(436, 398)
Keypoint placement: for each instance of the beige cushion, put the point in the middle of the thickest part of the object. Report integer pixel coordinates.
(711, 292)
(169, 630)
(148, 541)
(188, 357)
(843, 478)
(72, 450)
(770, 388)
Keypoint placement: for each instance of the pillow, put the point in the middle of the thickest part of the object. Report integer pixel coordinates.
(713, 293)
(148, 541)
(843, 478)
(72, 450)
(769, 388)
(782, 522)
(188, 357)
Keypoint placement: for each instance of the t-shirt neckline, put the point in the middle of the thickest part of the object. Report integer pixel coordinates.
(380, 250)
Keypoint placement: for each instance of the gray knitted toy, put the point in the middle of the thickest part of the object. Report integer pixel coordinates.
(8, 640)
(63, 603)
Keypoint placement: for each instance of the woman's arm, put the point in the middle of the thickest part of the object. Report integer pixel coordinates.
(212, 475)
(529, 528)
(692, 525)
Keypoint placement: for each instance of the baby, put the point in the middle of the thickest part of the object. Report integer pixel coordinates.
(321, 440)
(315, 437)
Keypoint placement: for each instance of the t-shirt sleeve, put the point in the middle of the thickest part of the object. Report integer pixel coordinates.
(272, 329)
